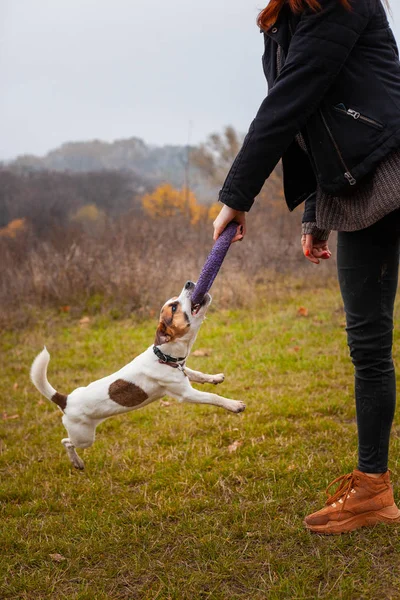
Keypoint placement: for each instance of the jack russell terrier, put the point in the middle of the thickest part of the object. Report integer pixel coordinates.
(159, 371)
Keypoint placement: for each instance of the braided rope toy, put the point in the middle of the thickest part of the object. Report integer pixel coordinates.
(213, 263)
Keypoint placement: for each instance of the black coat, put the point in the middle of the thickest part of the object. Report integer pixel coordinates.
(339, 86)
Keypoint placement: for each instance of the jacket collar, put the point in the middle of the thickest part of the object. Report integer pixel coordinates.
(282, 30)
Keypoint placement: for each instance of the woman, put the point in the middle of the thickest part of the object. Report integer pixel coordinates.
(333, 115)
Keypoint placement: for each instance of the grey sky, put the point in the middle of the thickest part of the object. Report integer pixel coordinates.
(108, 69)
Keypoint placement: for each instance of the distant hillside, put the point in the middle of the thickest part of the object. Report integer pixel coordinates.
(154, 163)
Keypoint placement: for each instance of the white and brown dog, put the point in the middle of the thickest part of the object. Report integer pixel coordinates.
(159, 371)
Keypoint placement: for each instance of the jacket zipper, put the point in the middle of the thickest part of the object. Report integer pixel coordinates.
(358, 116)
(347, 173)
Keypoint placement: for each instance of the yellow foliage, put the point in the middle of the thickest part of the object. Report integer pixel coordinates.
(197, 211)
(13, 228)
(213, 211)
(88, 212)
(166, 201)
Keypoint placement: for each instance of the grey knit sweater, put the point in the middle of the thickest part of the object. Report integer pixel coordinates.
(374, 197)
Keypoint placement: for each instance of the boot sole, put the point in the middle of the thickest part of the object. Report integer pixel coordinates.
(390, 514)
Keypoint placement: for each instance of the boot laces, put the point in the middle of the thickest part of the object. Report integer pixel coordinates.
(346, 486)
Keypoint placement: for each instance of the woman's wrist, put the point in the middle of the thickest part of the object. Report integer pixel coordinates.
(225, 216)
(311, 228)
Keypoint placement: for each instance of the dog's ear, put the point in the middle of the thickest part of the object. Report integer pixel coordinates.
(163, 335)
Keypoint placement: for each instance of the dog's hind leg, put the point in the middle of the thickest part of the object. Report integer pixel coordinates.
(81, 434)
(72, 455)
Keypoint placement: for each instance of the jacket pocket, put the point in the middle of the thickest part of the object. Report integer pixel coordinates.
(357, 116)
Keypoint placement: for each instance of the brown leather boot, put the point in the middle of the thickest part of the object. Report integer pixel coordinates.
(359, 501)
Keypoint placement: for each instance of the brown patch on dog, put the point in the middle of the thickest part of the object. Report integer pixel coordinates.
(126, 393)
(163, 334)
(181, 322)
(173, 323)
(60, 400)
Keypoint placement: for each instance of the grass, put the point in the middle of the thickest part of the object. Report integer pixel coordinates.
(164, 509)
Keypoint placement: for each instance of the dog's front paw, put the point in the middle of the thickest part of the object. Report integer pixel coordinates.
(219, 378)
(236, 406)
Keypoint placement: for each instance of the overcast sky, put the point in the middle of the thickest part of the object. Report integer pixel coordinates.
(162, 70)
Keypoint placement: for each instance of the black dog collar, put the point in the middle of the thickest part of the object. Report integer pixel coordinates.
(166, 359)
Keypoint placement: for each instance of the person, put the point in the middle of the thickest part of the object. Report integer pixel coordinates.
(332, 114)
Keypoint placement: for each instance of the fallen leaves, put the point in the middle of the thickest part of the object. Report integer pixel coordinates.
(57, 557)
(164, 403)
(234, 446)
(202, 352)
(302, 311)
(84, 322)
(294, 349)
(7, 417)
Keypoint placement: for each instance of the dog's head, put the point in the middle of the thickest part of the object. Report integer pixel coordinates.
(179, 318)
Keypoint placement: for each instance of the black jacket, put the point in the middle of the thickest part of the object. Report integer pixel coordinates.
(339, 86)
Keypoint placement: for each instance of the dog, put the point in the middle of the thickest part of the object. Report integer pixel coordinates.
(160, 370)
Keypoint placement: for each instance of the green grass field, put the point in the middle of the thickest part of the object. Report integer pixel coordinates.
(189, 502)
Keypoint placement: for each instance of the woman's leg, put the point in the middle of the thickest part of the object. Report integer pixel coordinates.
(368, 263)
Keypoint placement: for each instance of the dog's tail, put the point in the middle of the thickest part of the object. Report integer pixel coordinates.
(40, 381)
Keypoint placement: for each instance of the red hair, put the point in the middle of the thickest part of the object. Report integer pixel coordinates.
(269, 15)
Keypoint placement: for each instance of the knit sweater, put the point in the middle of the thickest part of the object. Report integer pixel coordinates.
(375, 196)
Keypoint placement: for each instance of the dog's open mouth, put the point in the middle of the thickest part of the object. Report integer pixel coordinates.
(196, 307)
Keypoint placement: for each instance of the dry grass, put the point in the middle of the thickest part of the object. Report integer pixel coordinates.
(130, 264)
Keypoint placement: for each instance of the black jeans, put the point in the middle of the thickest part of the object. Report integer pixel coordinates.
(368, 262)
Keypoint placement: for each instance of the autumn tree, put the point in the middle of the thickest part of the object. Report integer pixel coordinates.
(215, 157)
(166, 202)
(14, 228)
(89, 213)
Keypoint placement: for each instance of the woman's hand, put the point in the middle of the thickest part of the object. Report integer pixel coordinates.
(314, 249)
(227, 215)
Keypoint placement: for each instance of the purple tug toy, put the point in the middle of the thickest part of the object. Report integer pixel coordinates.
(213, 263)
